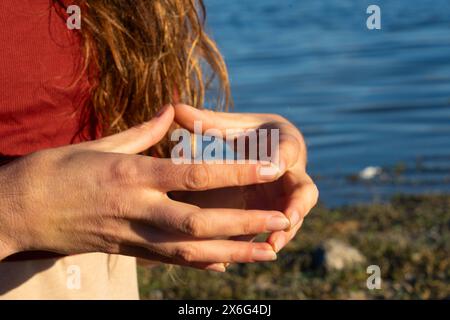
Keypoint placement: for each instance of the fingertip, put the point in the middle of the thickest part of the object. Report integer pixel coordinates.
(187, 115)
(262, 255)
(277, 240)
(277, 223)
(267, 172)
(294, 218)
(179, 107)
(166, 110)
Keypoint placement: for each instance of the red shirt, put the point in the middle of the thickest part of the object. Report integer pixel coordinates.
(40, 106)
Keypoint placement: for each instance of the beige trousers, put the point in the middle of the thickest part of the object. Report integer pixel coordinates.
(84, 276)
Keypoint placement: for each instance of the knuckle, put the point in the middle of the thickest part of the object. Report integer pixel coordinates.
(241, 176)
(247, 225)
(186, 253)
(124, 170)
(196, 177)
(193, 225)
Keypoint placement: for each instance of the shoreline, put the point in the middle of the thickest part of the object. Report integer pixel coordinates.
(408, 238)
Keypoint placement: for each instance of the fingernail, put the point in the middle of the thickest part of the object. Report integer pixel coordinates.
(162, 111)
(277, 223)
(264, 255)
(268, 171)
(278, 244)
(295, 218)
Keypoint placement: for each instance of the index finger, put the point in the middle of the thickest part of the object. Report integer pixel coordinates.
(168, 176)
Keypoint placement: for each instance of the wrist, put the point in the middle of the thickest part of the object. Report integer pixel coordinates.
(11, 211)
(8, 243)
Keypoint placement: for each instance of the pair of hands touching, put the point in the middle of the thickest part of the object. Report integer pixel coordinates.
(100, 196)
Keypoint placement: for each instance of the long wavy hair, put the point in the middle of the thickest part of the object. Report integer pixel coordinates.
(143, 54)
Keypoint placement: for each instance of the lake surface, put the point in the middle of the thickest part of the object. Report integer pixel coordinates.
(361, 97)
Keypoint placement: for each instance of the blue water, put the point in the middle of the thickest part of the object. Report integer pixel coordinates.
(361, 97)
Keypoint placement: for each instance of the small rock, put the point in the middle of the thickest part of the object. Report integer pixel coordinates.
(369, 173)
(334, 255)
(263, 282)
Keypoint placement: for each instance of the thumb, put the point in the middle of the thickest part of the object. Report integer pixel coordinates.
(138, 138)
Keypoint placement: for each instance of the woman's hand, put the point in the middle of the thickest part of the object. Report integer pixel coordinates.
(100, 196)
(294, 193)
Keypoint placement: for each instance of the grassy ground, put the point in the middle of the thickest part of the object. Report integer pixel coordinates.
(408, 238)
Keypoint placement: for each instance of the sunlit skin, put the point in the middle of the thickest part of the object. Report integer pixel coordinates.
(294, 193)
(100, 196)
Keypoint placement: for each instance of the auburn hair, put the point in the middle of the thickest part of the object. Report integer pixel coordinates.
(143, 54)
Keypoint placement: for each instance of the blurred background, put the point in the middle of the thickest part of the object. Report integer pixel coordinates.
(363, 98)
(374, 106)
